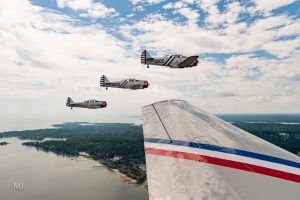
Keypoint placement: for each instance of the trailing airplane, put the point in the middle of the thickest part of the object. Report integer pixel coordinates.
(125, 84)
(91, 104)
(173, 61)
(191, 154)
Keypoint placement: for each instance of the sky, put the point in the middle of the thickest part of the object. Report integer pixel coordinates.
(51, 49)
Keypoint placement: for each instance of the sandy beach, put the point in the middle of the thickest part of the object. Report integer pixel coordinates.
(127, 179)
(124, 176)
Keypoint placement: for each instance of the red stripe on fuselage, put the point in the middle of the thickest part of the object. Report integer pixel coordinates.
(226, 163)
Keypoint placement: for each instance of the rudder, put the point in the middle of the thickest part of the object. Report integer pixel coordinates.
(103, 80)
(69, 101)
(144, 56)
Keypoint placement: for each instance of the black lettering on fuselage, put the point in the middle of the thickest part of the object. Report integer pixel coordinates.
(160, 61)
(113, 84)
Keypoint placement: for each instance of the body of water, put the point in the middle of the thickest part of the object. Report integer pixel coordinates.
(44, 175)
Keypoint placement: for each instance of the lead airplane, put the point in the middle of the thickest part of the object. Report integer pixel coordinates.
(91, 104)
(191, 154)
(130, 83)
(173, 61)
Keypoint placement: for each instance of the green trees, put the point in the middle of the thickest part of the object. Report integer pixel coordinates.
(286, 136)
(102, 142)
(105, 141)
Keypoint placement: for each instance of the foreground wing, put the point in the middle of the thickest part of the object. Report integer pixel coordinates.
(188, 62)
(191, 154)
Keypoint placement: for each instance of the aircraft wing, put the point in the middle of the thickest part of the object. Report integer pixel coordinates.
(76, 104)
(134, 87)
(191, 154)
(188, 61)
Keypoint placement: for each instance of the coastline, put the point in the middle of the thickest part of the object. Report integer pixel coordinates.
(108, 164)
(116, 171)
(124, 176)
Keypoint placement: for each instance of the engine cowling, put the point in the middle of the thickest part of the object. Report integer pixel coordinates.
(104, 104)
(195, 63)
(146, 84)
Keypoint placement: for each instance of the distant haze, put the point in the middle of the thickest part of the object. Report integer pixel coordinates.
(29, 124)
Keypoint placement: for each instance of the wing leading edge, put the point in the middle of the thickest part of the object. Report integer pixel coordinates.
(191, 154)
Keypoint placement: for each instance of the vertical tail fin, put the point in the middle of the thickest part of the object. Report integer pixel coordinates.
(144, 56)
(103, 80)
(69, 101)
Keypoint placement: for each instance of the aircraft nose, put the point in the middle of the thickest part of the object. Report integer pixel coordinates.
(104, 104)
(146, 84)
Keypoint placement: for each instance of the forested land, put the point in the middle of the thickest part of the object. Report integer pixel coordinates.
(120, 145)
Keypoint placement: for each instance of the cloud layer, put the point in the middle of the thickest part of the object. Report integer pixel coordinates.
(249, 57)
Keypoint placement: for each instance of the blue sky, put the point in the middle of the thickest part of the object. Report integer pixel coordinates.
(128, 12)
(249, 55)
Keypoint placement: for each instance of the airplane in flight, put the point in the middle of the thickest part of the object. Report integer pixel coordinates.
(172, 61)
(91, 104)
(125, 84)
(191, 154)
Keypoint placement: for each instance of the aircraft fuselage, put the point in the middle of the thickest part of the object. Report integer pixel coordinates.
(127, 84)
(90, 104)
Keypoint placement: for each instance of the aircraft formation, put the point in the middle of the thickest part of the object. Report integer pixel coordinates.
(195, 155)
(172, 61)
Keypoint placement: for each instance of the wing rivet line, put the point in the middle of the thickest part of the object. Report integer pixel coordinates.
(162, 124)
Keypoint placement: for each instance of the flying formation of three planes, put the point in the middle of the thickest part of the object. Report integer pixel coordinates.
(172, 61)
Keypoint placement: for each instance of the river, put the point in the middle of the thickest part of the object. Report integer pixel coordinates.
(30, 174)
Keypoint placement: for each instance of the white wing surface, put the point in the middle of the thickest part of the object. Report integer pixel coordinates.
(191, 155)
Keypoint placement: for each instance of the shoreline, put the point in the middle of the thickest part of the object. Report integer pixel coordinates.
(124, 176)
(116, 171)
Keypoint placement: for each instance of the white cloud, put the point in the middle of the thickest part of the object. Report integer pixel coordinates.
(88, 8)
(215, 18)
(134, 2)
(138, 8)
(168, 6)
(264, 34)
(259, 99)
(269, 5)
(45, 57)
(130, 15)
(182, 9)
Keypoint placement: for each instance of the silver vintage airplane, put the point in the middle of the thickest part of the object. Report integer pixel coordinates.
(91, 104)
(130, 83)
(173, 61)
